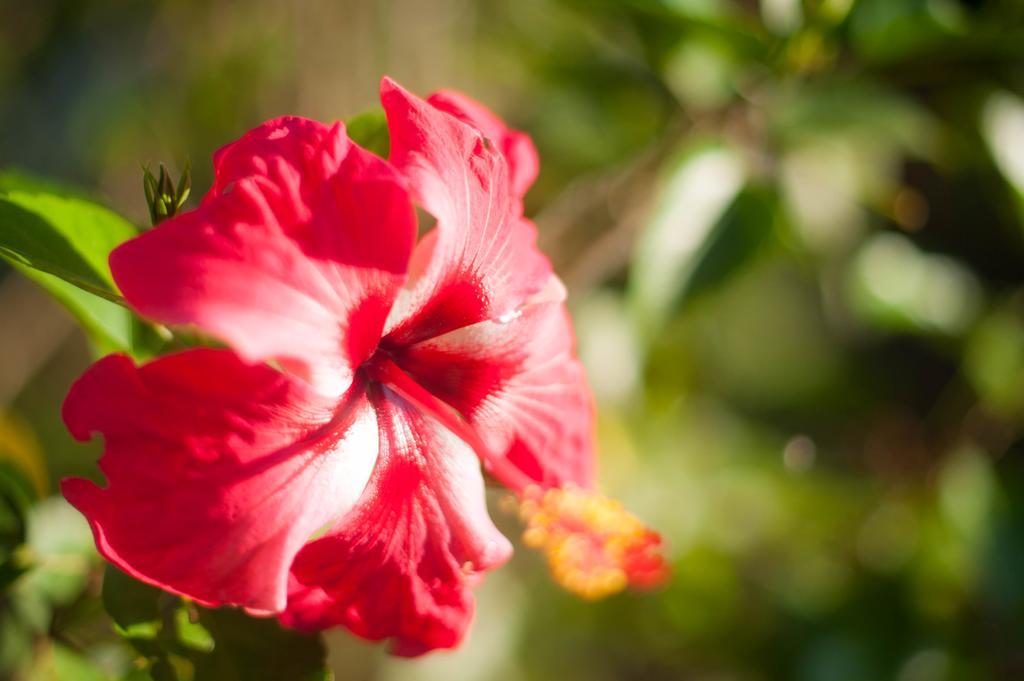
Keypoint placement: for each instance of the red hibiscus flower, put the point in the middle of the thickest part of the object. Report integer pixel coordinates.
(326, 467)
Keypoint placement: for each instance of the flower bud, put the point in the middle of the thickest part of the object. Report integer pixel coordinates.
(163, 198)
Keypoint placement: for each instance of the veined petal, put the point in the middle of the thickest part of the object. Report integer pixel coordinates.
(518, 383)
(515, 146)
(401, 565)
(296, 255)
(217, 472)
(481, 262)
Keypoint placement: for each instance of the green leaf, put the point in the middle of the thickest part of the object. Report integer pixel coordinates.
(110, 327)
(16, 497)
(223, 644)
(64, 236)
(892, 30)
(747, 224)
(61, 241)
(253, 649)
(156, 623)
(22, 483)
(695, 189)
(370, 131)
(127, 600)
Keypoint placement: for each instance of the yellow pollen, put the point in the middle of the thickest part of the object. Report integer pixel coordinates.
(594, 547)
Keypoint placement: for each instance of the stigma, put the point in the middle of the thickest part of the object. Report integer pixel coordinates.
(594, 547)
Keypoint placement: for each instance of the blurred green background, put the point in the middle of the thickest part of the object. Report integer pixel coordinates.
(793, 234)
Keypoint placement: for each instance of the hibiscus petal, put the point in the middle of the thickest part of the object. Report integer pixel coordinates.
(517, 381)
(288, 263)
(400, 566)
(482, 262)
(217, 472)
(292, 153)
(515, 146)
